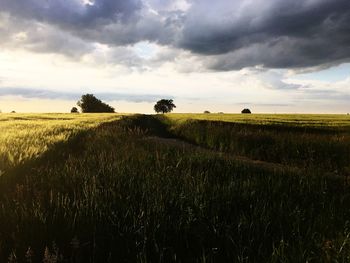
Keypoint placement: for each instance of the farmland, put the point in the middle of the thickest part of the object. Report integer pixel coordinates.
(174, 188)
(308, 120)
(26, 136)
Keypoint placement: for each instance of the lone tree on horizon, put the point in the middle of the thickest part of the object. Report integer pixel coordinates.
(246, 111)
(164, 106)
(90, 104)
(74, 110)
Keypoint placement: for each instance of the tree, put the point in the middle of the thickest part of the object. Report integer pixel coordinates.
(164, 106)
(89, 103)
(246, 111)
(74, 110)
(206, 112)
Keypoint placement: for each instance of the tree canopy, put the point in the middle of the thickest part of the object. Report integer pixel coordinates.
(246, 111)
(89, 103)
(164, 106)
(74, 110)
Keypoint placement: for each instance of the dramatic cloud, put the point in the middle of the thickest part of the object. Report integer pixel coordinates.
(115, 23)
(73, 13)
(224, 35)
(274, 33)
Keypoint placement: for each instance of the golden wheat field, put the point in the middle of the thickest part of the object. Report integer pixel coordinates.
(26, 136)
(320, 120)
(174, 188)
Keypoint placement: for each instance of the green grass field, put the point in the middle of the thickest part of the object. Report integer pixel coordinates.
(174, 188)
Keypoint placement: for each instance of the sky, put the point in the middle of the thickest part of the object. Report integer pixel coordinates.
(272, 56)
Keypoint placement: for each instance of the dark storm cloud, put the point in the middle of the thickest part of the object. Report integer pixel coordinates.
(230, 26)
(111, 22)
(275, 33)
(226, 35)
(49, 94)
(72, 13)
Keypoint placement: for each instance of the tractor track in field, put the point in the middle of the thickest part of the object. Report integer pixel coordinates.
(269, 166)
(178, 143)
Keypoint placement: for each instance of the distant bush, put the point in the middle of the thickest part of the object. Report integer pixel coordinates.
(246, 111)
(206, 112)
(13, 111)
(89, 103)
(74, 110)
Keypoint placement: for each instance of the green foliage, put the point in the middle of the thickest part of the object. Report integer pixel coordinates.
(74, 110)
(246, 111)
(164, 106)
(89, 103)
(124, 190)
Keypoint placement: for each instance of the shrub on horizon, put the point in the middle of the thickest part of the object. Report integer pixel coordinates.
(246, 111)
(74, 110)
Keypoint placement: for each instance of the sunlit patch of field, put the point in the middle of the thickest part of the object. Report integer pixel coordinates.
(26, 136)
(319, 120)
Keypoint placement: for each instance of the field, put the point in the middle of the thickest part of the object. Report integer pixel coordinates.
(174, 188)
(310, 120)
(26, 136)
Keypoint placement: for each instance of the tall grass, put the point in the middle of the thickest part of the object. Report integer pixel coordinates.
(337, 121)
(26, 136)
(119, 193)
(326, 149)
